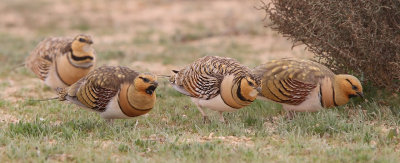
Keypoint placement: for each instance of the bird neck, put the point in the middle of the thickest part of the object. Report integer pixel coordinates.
(82, 55)
(68, 72)
(134, 102)
(326, 92)
(340, 96)
(234, 94)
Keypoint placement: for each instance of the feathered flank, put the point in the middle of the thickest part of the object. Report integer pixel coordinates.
(218, 83)
(114, 92)
(304, 85)
(60, 62)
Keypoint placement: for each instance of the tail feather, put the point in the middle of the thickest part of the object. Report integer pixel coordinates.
(61, 93)
(164, 76)
(16, 67)
(46, 99)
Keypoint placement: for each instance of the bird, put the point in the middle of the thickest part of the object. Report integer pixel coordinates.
(302, 85)
(115, 92)
(218, 83)
(61, 61)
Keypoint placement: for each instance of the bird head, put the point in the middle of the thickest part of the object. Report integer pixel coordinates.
(248, 88)
(347, 86)
(81, 40)
(146, 83)
(82, 47)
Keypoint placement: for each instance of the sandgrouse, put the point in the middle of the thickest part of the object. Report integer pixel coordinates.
(60, 62)
(217, 83)
(304, 86)
(114, 92)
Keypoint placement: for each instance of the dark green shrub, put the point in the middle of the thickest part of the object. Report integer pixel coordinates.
(358, 37)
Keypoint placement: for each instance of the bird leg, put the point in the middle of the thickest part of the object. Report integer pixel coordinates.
(221, 117)
(290, 114)
(110, 121)
(205, 117)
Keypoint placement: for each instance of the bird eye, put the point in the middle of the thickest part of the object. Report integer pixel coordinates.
(146, 80)
(354, 87)
(250, 83)
(82, 40)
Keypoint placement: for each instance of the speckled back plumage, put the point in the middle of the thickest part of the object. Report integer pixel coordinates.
(40, 59)
(290, 80)
(60, 62)
(202, 79)
(96, 89)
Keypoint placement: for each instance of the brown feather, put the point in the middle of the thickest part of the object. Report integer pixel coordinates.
(67, 72)
(100, 85)
(41, 58)
(202, 79)
(290, 81)
(128, 108)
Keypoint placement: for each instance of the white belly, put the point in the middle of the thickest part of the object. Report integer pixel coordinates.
(215, 103)
(311, 104)
(113, 111)
(53, 81)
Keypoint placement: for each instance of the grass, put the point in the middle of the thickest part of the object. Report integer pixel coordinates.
(32, 131)
(174, 131)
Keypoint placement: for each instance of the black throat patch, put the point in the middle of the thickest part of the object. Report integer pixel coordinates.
(76, 58)
(352, 95)
(333, 93)
(239, 94)
(320, 96)
(85, 66)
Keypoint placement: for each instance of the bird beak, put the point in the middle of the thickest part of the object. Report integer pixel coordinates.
(258, 89)
(155, 84)
(360, 94)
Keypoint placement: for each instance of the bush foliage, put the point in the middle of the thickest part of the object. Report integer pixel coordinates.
(358, 37)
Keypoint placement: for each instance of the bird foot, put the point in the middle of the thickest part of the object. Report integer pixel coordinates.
(221, 118)
(206, 120)
(110, 122)
(290, 115)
